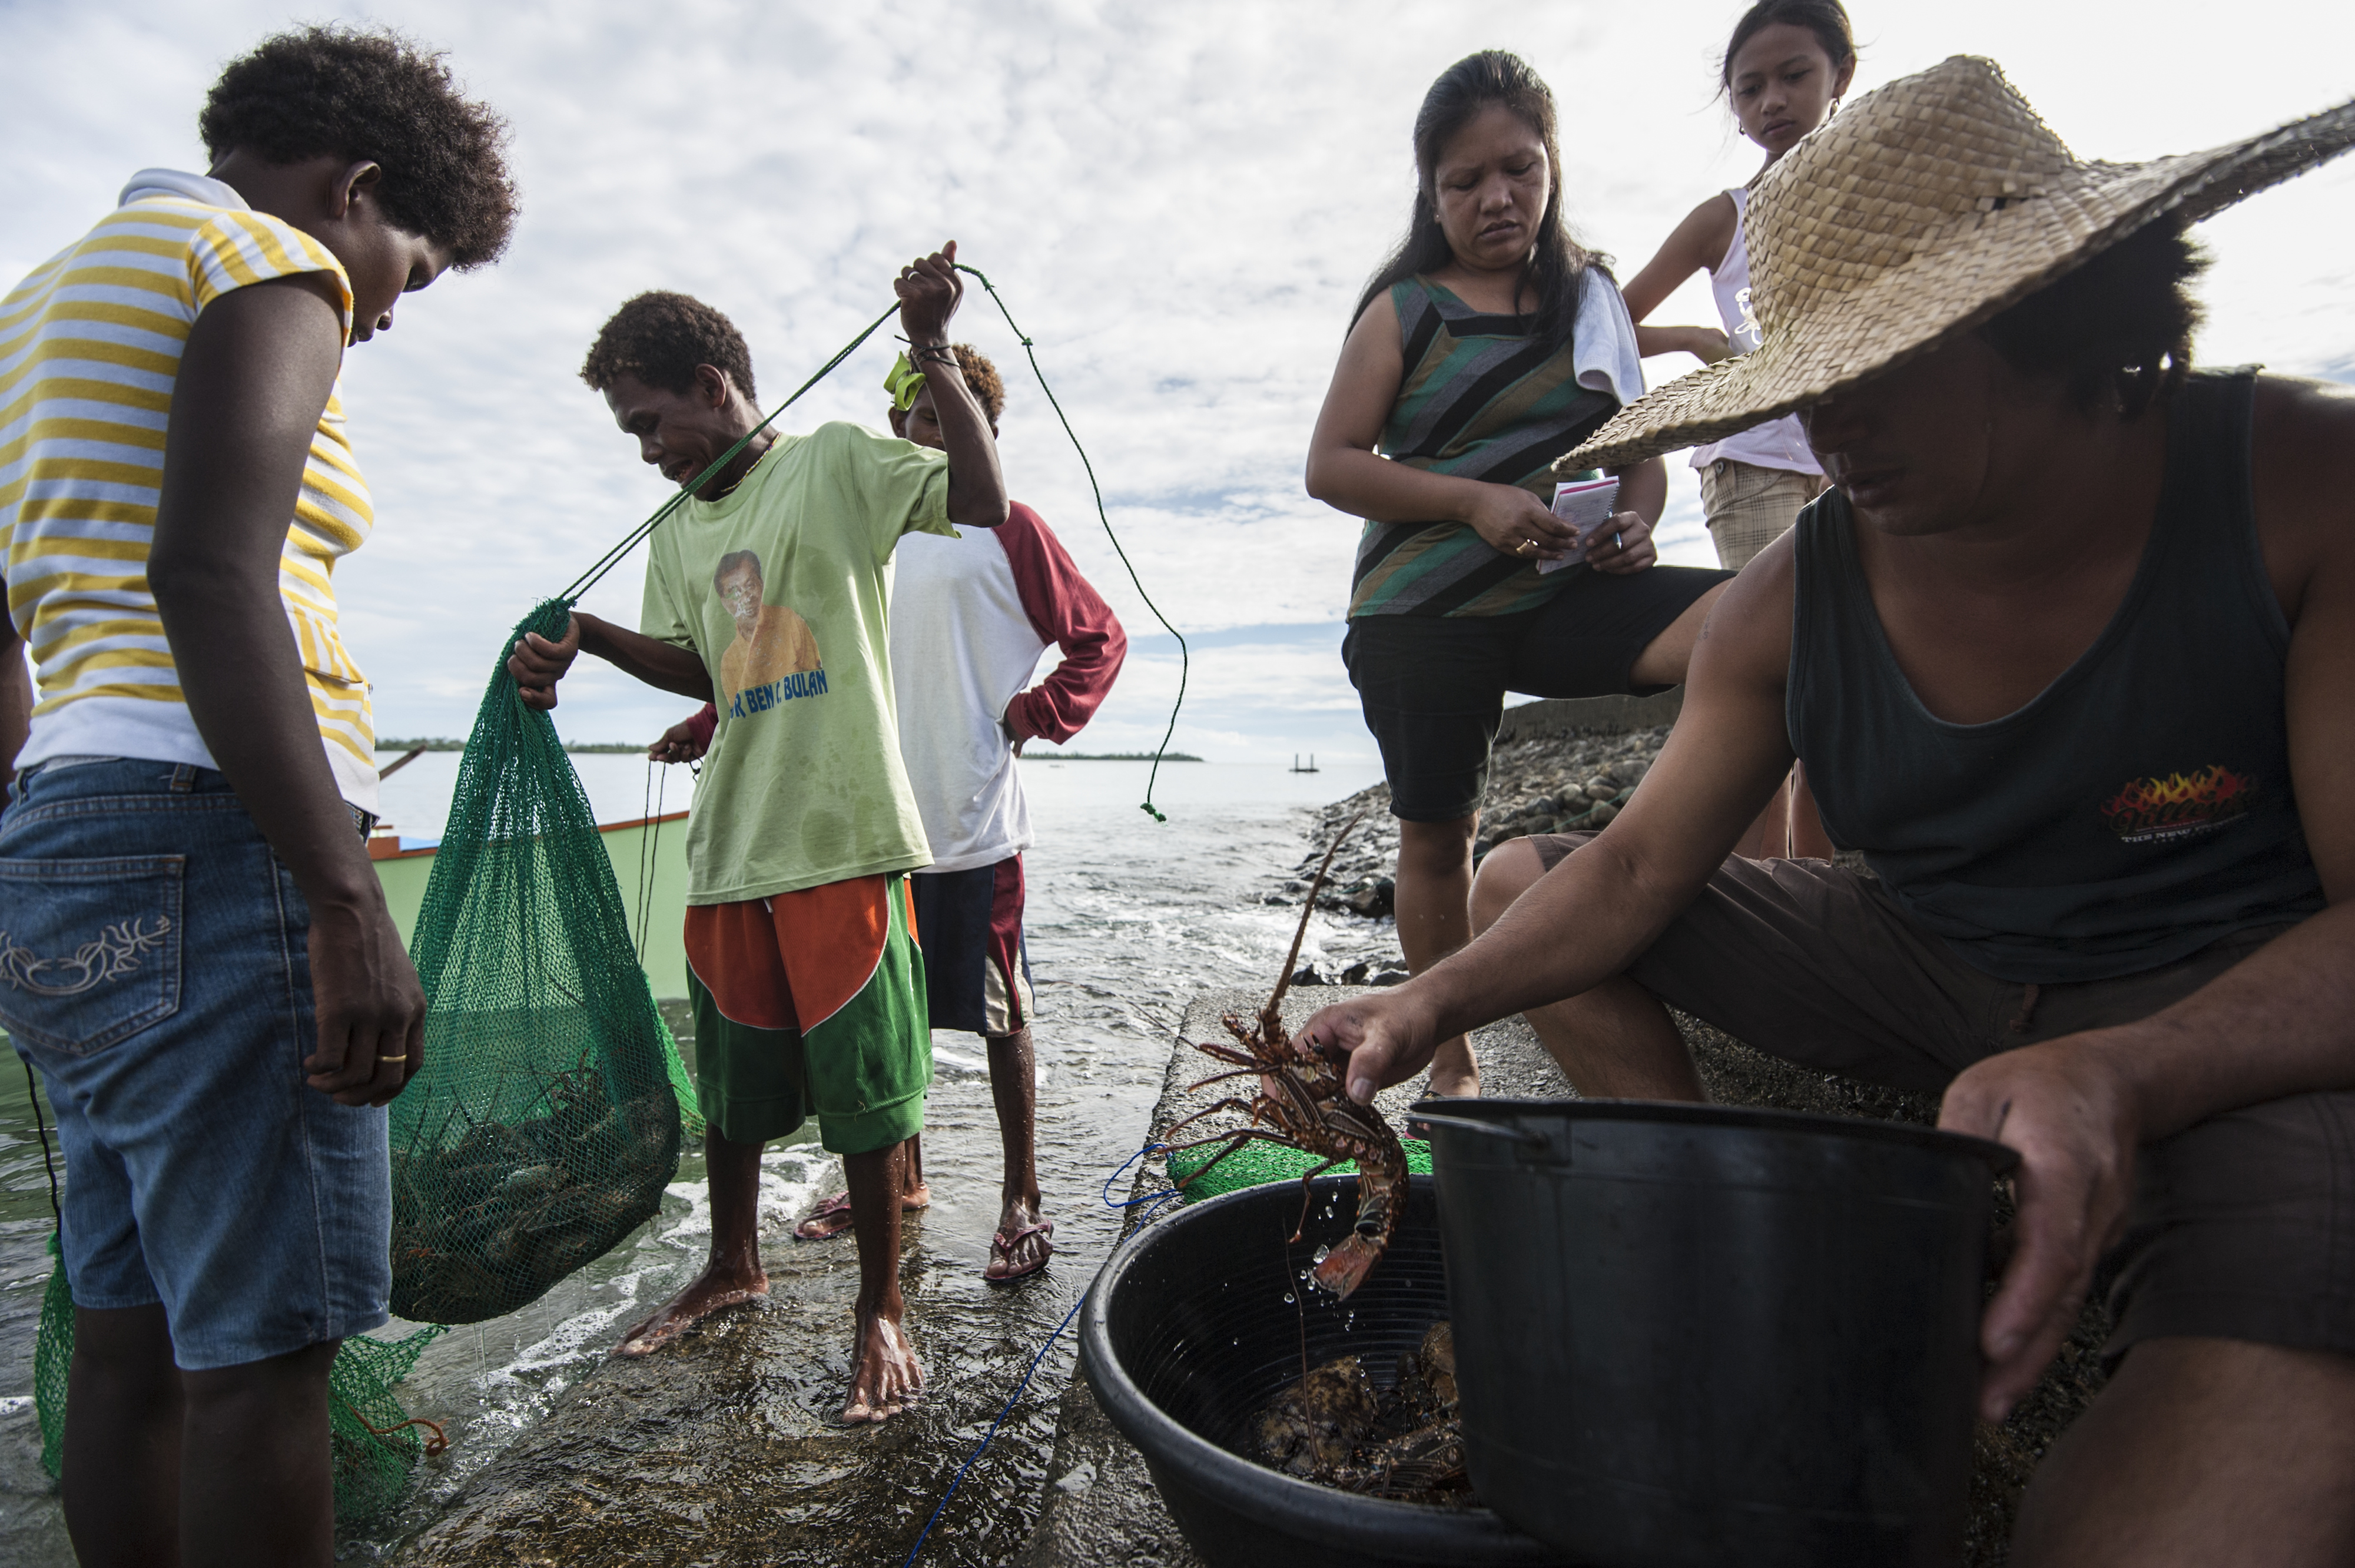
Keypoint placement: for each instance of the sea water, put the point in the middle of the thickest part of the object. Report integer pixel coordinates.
(1129, 919)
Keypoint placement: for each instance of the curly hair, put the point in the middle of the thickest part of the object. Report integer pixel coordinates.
(660, 337)
(982, 378)
(375, 96)
(2119, 326)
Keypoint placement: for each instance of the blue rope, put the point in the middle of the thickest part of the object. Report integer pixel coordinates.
(1005, 1410)
(1151, 1203)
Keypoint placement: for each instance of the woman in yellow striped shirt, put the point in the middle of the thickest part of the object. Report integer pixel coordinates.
(193, 948)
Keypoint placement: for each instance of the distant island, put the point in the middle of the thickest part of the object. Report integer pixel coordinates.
(445, 743)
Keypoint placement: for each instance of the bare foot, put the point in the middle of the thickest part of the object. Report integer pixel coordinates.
(884, 1372)
(717, 1286)
(1455, 1075)
(1023, 1244)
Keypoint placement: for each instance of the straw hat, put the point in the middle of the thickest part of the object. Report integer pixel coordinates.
(1920, 211)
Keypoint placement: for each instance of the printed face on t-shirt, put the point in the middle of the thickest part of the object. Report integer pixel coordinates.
(740, 590)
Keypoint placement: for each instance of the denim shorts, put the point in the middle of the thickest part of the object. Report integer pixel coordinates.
(155, 967)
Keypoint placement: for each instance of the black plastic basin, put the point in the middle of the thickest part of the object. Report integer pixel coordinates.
(1188, 1333)
(1689, 1336)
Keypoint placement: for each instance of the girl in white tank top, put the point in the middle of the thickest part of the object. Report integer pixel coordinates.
(1787, 65)
(1784, 70)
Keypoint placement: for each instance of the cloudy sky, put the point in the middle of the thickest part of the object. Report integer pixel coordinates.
(1179, 202)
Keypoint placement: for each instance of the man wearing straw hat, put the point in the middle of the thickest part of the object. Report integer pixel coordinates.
(2066, 650)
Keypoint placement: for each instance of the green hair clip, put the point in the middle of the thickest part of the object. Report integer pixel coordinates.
(904, 382)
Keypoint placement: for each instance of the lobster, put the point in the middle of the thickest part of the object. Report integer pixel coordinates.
(1303, 1105)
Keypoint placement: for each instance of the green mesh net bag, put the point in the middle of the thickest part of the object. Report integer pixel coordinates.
(52, 1356)
(374, 1442)
(682, 1086)
(544, 1124)
(1257, 1164)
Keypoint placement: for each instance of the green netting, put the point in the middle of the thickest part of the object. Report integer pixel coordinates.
(1257, 1164)
(52, 1356)
(682, 1084)
(375, 1443)
(544, 1125)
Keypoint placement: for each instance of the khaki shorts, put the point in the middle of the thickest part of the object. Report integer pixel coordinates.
(1750, 507)
(2243, 1227)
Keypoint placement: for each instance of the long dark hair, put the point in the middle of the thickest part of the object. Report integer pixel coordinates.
(1558, 262)
(1828, 19)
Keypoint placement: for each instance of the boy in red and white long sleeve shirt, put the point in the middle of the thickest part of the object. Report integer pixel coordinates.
(970, 618)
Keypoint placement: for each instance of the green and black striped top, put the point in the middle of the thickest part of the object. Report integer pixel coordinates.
(1485, 399)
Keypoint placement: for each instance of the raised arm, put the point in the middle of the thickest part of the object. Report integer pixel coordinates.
(1697, 244)
(1345, 471)
(928, 290)
(1595, 913)
(257, 372)
(2280, 1022)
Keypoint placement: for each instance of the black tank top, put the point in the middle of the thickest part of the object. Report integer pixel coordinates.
(2139, 807)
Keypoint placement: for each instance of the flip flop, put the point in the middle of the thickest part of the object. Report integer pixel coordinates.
(827, 1220)
(832, 1218)
(1002, 1245)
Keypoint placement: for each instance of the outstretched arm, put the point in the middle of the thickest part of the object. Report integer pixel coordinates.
(538, 664)
(1596, 913)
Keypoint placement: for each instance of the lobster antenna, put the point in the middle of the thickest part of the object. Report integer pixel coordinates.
(1271, 1018)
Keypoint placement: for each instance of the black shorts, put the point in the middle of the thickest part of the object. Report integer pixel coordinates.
(1434, 687)
(2242, 1227)
(976, 966)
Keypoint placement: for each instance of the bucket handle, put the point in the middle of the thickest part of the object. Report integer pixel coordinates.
(1521, 1136)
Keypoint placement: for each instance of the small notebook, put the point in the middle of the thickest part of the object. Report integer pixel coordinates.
(1587, 506)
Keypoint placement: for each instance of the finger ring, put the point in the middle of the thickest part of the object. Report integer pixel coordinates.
(403, 1057)
(1525, 547)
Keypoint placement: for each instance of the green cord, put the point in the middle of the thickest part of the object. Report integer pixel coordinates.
(630, 542)
(1183, 657)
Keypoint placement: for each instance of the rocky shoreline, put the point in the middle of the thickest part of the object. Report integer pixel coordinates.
(1548, 784)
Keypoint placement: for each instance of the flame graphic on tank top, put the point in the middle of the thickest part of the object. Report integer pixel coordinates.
(2155, 810)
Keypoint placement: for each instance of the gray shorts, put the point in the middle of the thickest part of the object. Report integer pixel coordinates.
(2243, 1227)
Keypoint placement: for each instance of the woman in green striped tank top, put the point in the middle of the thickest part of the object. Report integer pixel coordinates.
(1490, 344)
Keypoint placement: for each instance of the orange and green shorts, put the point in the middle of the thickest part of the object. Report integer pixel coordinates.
(812, 1003)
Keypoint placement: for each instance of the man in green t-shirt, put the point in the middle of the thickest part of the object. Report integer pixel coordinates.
(767, 595)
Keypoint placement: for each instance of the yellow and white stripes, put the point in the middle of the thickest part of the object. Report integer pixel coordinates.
(90, 347)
